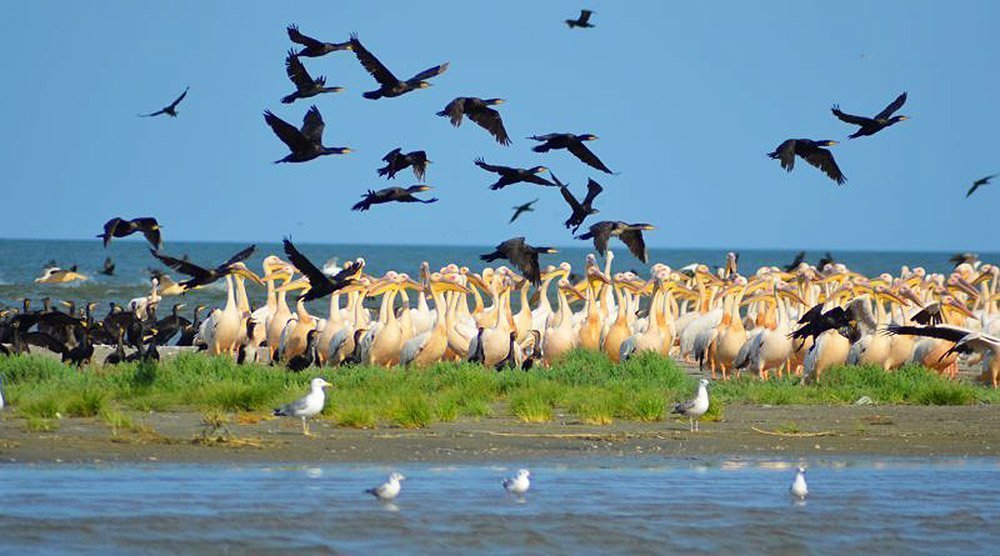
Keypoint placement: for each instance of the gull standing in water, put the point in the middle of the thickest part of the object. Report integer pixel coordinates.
(518, 484)
(309, 405)
(389, 489)
(799, 488)
(694, 409)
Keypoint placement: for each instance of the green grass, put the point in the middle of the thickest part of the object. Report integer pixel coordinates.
(582, 386)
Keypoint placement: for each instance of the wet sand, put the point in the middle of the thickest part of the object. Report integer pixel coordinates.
(788, 431)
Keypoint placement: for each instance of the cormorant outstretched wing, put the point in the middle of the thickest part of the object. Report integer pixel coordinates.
(288, 133)
(297, 72)
(239, 257)
(489, 119)
(636, 244)
(589, 158)
(312, 125)
(823, 159)
(295, 36)
(305, 266)
(893, 106)
(371, 64)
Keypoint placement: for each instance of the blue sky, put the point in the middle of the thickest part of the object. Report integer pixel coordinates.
(686, 98)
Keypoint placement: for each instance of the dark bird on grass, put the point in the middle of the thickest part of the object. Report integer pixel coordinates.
(119, 227)
(314, 48)
(305, 85)
(510, 176)
(204, 276)
(572, 143)
(630, 234)
(478, 110)
(169, 326)
(389, 84)
(583, 21)
(871, 126)
(811, 152)
(580, 210)
(393, 195)
(118, 355)
(518, 210)
(171, 109)
(395, 161)
(979, 183)
(521, 255)
(476, 351)
(189, 331)
(305, 144)
(109, 267)
(319, 284)
(307, 358)
(800, 257)
(510, 361)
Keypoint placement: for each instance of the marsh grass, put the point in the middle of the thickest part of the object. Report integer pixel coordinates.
(583, 386)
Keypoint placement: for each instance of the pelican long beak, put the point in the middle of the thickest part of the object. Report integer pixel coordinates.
(300, 284)
(248, 274)
(960, 308)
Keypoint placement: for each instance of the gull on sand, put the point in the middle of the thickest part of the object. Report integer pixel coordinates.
(694, 409)
(307, 406)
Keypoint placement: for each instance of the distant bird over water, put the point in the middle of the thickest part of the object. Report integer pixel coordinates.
(811, 152)
(510, 176)
(393, 195)
(305, 85)
(518, 210)
(390, 85)
(478, 110)
(580, 210)
(119, 227)
(583, 21)
(572, 143)
(630, 234)
(395, 161)
(871, 126)
(314, 48)
(979, 183)
(521, 255)
(171, 109)
(305, 144)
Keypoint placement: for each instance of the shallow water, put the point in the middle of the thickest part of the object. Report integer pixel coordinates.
(586, 506)
(21, 261)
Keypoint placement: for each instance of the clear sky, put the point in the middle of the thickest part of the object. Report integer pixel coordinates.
(686, 97)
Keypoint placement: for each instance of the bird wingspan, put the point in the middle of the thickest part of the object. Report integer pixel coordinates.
(454, 111)
(489, 167)
(944, 332)
(312, 125)
(823, 159)
(372, 64)
(570, 199)
(297, 72)
(636, 244)
(288, 134)
(295, 36)
(391, 155)
(849, 118)
(239, 257)
(430, 72)
(593, 190)
(893, 106)
(589, 158)
(179, 265)
(179, 99)
(490, 120)
(305, 266)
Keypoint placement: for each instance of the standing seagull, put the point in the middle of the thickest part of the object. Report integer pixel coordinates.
(518, 484)
(871, 126)
(170, 110)
(518, 210)
(389, 489)
(979, 183)
(306, 143)
(580, 210)
(572, 143)
(305, 85)
(389, 84)
(314, 48)
(582, 21)
(694, 409)
(309, 405)
(810, 151)
(479, 111)
(799, 488)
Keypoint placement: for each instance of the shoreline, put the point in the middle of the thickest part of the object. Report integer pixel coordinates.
(746, 430)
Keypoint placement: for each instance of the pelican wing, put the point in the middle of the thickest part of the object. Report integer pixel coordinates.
(413, 347)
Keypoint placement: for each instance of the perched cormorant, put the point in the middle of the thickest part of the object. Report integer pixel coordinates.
(305, 85)
(509, 176)
(478, 110)
(305, 144)
(319, 285)
(521, 255)
(119, 227)
(871, 126)
(314, 48)
(171, 109)
(811, 152)
(580, 210)
(395, 161)
(583, 21)
(390, 85)
(204, 276)
(526, 207)
(307, 358)
(572, 143)
(979, 183)
(392, 194)
(630, 234)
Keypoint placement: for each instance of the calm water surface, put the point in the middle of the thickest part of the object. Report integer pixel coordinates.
(929, 506)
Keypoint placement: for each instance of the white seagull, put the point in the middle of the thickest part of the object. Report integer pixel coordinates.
(799, 488)
(389, 489)
(518, 484)
(693, 409)
(307, 406)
